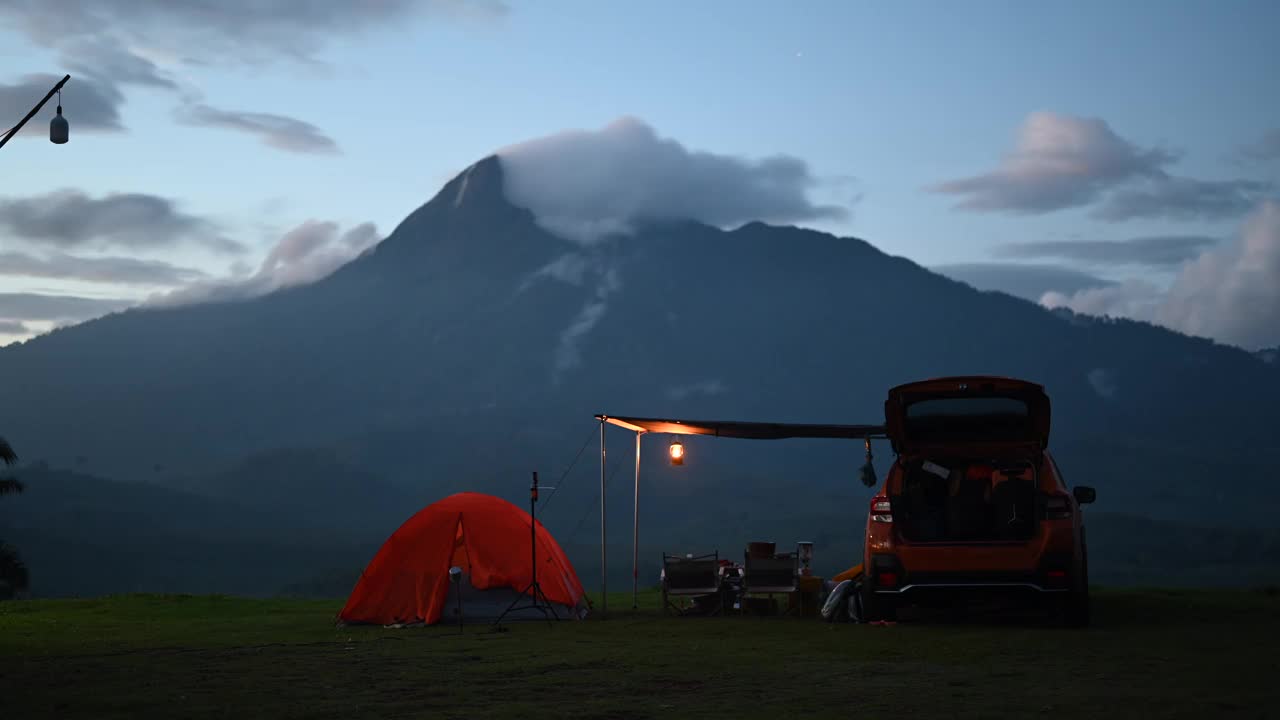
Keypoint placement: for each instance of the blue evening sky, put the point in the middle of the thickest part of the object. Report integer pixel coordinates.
(900, 96)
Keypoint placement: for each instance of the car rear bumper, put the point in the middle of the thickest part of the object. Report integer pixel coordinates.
(973, 585)
(889, 576)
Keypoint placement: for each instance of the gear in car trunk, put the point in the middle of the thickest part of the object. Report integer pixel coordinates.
(965, 501)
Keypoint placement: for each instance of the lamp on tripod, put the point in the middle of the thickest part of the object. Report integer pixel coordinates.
(532, 593)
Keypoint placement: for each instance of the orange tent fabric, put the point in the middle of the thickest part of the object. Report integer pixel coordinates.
(408, 579)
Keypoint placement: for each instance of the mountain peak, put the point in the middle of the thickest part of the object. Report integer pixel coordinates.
(470, 222)
(480, 184)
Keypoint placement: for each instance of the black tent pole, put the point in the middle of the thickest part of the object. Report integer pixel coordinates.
(533, 525)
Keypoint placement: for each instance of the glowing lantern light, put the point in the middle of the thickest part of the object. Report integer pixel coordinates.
(677, 452)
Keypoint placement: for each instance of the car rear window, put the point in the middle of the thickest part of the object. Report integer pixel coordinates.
(968, 406)
(969, 419)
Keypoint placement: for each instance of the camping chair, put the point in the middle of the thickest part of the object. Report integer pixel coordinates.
(771, 576)
(687, 576)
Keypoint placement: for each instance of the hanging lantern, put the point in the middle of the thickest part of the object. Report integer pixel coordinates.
(867, 473)
(59, 130)
(677, 452)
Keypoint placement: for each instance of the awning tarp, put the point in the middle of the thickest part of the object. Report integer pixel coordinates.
(745, 430)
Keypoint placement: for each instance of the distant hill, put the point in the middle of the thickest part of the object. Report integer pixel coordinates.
(82, 535)
(472, 346)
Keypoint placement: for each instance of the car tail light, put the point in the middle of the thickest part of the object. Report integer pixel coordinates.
(886, 579)
(1057, 507)
(881, 510)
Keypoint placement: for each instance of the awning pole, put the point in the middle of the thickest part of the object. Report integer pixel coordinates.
(604, 561)
(635, 535)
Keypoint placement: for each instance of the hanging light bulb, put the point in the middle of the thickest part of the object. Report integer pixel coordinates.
(59, 130)
(677, 452)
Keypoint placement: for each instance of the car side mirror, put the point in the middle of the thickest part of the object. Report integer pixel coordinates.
(1084, 494)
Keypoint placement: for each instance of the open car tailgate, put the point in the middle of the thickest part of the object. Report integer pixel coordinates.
(947, 413)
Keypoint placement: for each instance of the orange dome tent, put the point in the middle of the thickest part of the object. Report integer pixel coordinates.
(408, 579)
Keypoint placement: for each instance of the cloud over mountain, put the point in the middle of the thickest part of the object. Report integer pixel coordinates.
(1133, 298)
(308, 252)
(1029, 281)
(1063, 161)
(585, 184)
(1230, 293)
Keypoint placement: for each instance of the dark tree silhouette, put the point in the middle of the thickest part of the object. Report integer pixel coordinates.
(13, 573)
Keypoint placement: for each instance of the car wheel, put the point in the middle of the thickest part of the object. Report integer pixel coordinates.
(877, 607)
(1075, 611)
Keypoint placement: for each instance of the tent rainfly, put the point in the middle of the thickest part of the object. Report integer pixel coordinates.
(715, 428)
(407, 582)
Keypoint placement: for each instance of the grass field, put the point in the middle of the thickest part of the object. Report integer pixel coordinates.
(1150, 653)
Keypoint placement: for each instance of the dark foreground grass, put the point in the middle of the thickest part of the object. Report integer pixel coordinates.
(1149, 653)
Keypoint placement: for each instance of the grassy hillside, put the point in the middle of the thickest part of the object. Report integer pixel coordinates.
(1154, 653)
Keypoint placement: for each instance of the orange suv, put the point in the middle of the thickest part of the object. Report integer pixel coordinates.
(974, 501)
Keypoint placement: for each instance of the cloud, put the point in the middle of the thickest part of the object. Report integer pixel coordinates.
(1132, 298)
(122, 270)
(1267, 148)
(568, 354)
(199, 31)
(13, 327)
(586, 184)
(109, 63)
(1232, 294)
(277, 131)
(1180, 198)
(1024, 280)
(70, 218)
(89, 105)
(57, 308)
(570, 268)
(107, 44)
(1160, 250)
(1103, 381)
(1059, 161)
(309, 252)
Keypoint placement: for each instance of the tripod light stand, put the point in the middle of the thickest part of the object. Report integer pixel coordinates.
(532, 595)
